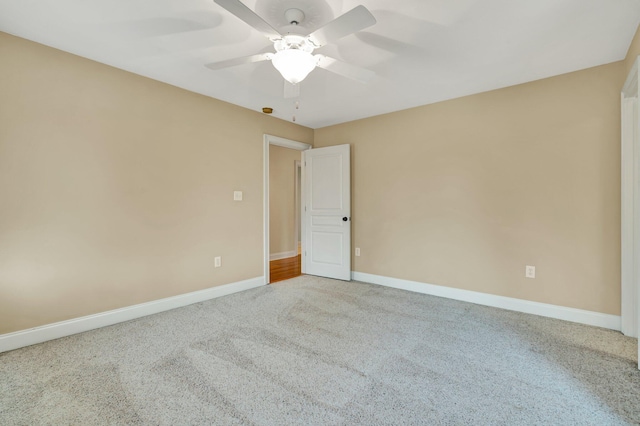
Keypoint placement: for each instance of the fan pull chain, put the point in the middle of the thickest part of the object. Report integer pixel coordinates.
(297, 104)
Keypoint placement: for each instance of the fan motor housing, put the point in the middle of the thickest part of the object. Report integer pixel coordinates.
(294, 41)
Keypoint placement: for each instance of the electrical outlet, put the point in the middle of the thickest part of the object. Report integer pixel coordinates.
(237, 195)
(217, 262)
(357, 251)
(530, 271)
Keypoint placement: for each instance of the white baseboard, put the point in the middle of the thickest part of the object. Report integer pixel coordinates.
(56, 330)
(597, 319)
(283, 255)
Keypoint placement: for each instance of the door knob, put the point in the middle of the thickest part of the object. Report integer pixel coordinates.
(344, 219)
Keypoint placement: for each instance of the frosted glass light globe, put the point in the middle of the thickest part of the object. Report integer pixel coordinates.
(294, 64)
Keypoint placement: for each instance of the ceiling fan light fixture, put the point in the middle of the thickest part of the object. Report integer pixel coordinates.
(294, 64)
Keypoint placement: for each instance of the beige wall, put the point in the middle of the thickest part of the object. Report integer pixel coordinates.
(465, 193)
(282, 219)
(116, 189)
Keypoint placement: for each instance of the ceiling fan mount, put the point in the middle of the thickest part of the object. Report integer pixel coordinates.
(294, 16)
(293, 52)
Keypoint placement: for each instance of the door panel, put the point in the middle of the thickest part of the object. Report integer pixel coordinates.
(327, 248)
(327, 186)
(327, 204)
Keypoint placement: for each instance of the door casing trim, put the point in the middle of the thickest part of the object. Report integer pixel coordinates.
(286, 143)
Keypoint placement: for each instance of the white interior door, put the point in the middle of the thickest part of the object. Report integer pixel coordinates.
(327, 212)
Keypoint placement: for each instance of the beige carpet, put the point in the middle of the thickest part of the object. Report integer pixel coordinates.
(318, 351)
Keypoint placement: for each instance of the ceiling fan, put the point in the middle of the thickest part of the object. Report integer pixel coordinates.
(293, 56)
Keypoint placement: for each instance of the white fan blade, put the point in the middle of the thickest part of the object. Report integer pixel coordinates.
(354, 20)
(291, 90)
(239, 9)
(344, 69)
(239, 61)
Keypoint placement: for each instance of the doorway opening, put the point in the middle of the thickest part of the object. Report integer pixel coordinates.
(285, 260)
(283, 200)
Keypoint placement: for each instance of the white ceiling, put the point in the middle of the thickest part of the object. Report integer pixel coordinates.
(422, 51)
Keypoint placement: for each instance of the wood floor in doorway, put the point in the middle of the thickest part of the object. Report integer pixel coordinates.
(284, 269)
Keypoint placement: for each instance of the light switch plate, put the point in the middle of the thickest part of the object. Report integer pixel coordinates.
(237, 195)
(530, 271)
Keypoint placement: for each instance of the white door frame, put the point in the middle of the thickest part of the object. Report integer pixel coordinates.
(297, 188)
(630, 206)
(286, 143)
